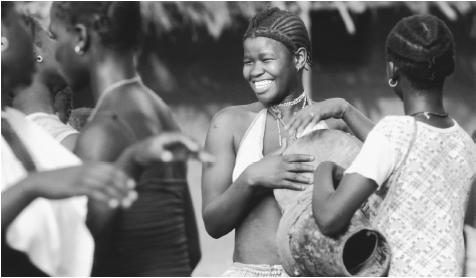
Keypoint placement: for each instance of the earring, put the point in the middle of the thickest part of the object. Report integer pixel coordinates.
(392, 83)
(78, 50)
(39, 58)
(5, 43)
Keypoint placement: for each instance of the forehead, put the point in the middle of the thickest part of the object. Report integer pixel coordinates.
(263, 44)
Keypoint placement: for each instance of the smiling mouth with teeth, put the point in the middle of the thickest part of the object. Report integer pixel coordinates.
(262, 85)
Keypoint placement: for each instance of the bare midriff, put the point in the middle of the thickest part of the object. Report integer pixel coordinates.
(255, 238)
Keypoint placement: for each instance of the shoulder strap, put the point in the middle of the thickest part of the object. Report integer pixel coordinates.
(17, 146)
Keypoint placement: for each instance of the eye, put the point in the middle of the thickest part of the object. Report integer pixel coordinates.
(247, 62)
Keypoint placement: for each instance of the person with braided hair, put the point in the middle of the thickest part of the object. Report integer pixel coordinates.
(413, 174)
(37, 100)
(96, 45)
(248, 140)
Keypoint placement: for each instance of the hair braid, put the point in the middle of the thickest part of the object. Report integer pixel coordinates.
(282, 26)
(422, 47)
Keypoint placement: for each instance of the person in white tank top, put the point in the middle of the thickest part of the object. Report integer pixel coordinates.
(248, 141)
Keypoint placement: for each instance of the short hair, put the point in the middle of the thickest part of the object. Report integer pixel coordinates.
(282, 26)
(422, 47)
(119, 24)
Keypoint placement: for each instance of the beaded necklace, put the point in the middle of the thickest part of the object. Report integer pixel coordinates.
(277, 114)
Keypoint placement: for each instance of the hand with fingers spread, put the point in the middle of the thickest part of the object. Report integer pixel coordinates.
(166, 147)
(278, 171)
(99, 181)
(318, 111)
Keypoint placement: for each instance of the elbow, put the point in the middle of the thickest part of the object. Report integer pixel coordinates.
(330, 224)
(329, 227)
(214, 231)
(212, 226)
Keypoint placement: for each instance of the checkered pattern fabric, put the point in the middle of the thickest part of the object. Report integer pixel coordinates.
(421, 206)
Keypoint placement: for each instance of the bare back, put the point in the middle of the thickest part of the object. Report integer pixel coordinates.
(161, 223)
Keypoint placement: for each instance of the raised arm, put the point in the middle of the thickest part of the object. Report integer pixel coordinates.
(337, 108)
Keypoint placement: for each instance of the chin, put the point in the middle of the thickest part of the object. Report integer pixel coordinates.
(266, 99)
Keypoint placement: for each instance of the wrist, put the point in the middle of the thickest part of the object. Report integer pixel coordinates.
(344, 107)
(31, 187)
(248, 180)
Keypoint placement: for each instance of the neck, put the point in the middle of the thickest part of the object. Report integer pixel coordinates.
(35, 98)
(288, 111)
(423, 101)
(111, 68)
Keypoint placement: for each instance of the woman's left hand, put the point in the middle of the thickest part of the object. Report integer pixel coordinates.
(318, 111)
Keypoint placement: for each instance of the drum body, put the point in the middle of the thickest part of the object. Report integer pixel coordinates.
(303, 249)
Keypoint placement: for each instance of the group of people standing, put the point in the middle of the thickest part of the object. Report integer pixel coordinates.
(413, 174)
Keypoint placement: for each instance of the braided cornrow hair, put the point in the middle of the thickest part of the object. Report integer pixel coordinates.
(118, 24)
(282, 26)
(422, 47)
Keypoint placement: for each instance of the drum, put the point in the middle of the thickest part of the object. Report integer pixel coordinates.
(303, 249)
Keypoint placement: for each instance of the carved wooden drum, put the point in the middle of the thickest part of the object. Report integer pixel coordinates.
(304, 251)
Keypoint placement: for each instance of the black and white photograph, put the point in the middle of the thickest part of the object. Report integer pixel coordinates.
(238, 138)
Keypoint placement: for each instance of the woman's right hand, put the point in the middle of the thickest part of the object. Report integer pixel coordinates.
(278, 171)
(100, 181)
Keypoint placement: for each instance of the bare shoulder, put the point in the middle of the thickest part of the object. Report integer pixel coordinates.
(231, 122)
(144, 110)
(102, 139)
(235, 117)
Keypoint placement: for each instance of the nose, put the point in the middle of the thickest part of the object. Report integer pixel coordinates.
(256, 69)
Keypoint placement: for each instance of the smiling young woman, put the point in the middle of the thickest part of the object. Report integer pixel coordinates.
(248, 140)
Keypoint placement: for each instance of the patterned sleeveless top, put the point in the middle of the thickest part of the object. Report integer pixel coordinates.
(420, 207)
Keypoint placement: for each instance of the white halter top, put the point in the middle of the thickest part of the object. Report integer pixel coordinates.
(250, 149)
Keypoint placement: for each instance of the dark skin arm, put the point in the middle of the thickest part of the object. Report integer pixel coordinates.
(14, 200)
(99, 181)
(102, 140)
(226, 203)
(470, 217)
(334, 208)
(336, 108)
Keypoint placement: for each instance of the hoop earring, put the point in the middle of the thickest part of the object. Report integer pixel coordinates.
(39, 58)
(392, 83)
(78, 50)
(5, 43)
